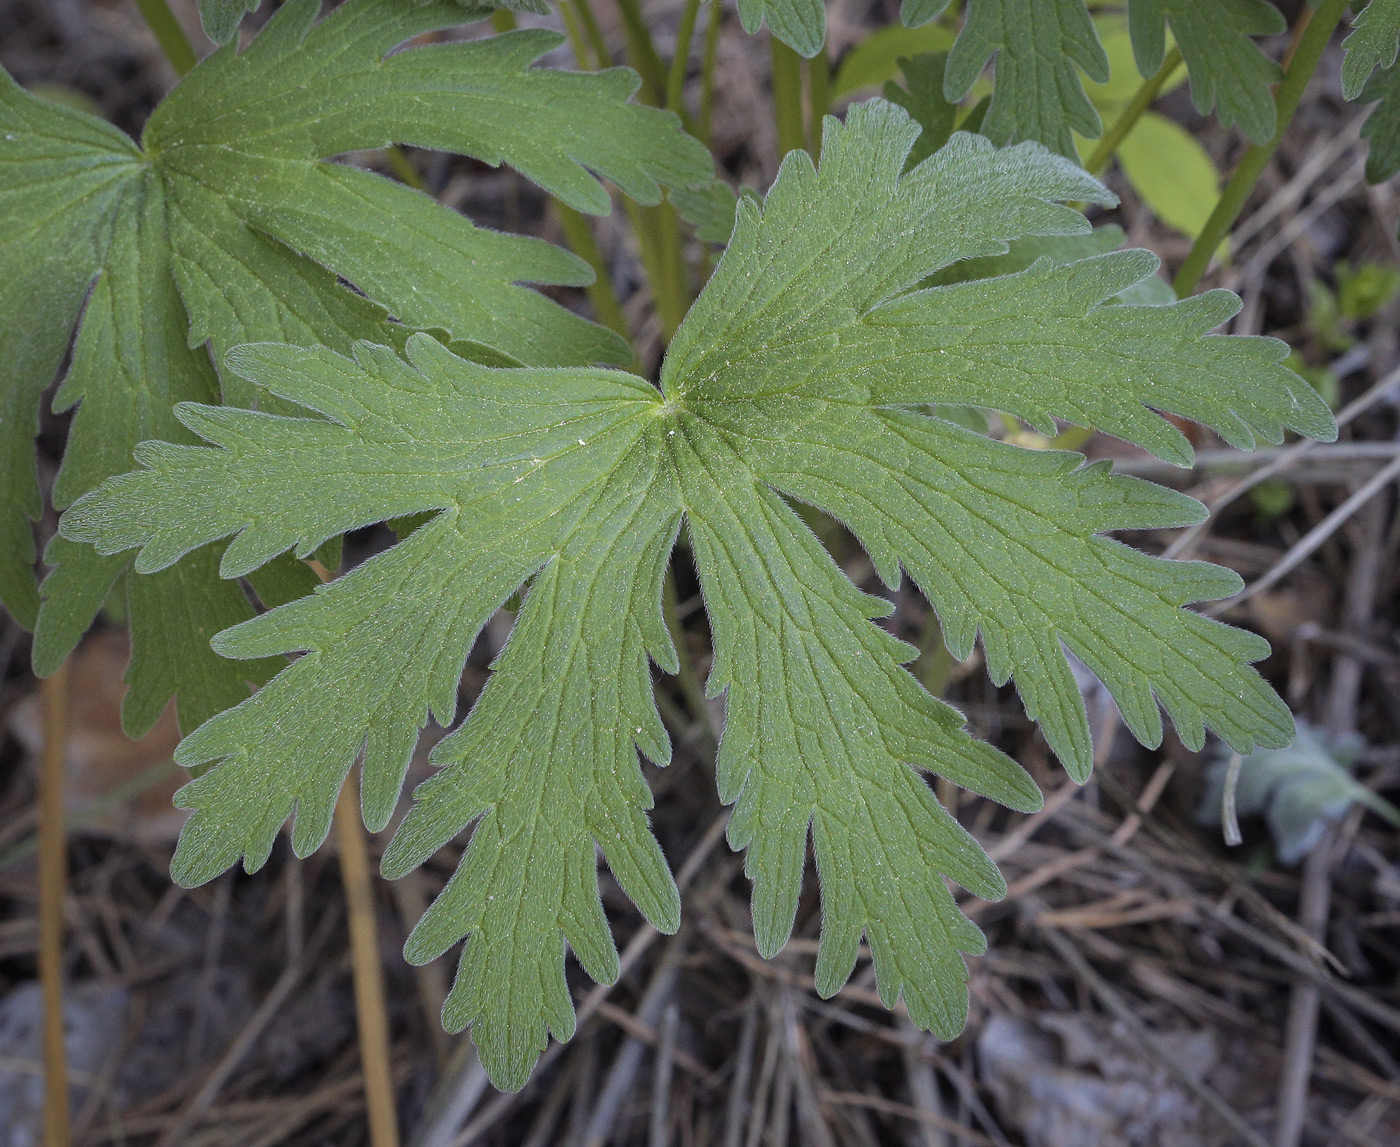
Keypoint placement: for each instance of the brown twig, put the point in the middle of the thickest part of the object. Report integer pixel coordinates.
(53, 878)
(371, 1015)
(1115, 1003)
(1316, 897)
(175, 1134)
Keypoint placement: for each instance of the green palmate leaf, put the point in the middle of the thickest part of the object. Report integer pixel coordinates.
(1055, 250)
(794, 378)
(1370, 74)
(1382, 126)
(1373, 43)
(913, 13)
(800, 24)
(924, 100)
(1040, 47)
(222, 17)
(1038, 44)
(62, 174)
(225, 226)
(709, 209)
(1228, 71)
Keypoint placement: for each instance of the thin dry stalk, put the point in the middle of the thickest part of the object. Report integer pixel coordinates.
(628, 1062)
(940, 1123)
(371, 1014)
(800, 1066)
(461, 1086)
(661, 1078)
(176, 1133)
(53, 879)
(1303, 1002)
(739, 1085)
(766, 1072)
(1316, 898)
(1188, 541)
(1313, 539)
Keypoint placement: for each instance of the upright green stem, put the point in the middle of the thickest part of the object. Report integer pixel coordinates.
(818, 99)
(169, 35)
(658, 234)
(675, 79)
(641, 52)
(686, 677)
(53, 878)
(935, 663)
(589, 20)
(402, 167)
(708, 60)
(1251, 167)
(574, 30)
(1127, 119)
(787, 97)
(579, 235)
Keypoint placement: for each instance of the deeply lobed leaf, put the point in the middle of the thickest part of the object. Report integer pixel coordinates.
(800, 374)
(1382, 126)
(1370, 74)
(1038, 45)
(1228, 71)
(227, 227)
(1041, 46)
(1373, 43)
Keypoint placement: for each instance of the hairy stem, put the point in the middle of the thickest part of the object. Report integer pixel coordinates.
(1251, 167)
(641, 52)
(1127, 119)
(53, 878)
(579, 235)
(708, 60)
(787, 97)
(818, 99)
(574, 30)
(169, 35)
(403, 168)
(658, 234)
(686, 677)
(675, 78)
(589, 20)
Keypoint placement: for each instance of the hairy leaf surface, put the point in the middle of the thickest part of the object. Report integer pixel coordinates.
(800, 374)
(1382, 126)
(1042, 46)
(1228, 71)
(1370, 74)
(1038, 45)
(225, 226)
(222, 17)
(1373, 43)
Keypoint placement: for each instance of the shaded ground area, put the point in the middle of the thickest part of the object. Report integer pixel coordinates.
(1145, 984)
